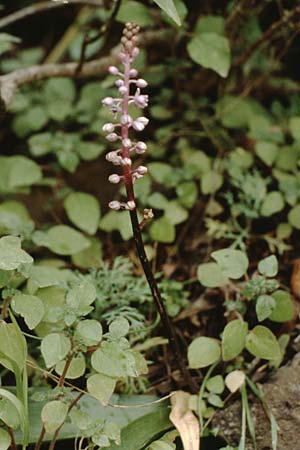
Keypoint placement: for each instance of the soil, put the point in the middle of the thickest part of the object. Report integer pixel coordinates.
(282, 394)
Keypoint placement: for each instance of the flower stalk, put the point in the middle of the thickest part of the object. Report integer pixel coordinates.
(119, 132)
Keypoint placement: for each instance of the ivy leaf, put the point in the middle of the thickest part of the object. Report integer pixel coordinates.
(233, 339)
(268, 266)
(210, 275)
(54, 348)
(169, 8)
(30, 307)
(211, 51)
(101, 387)
(11, 254)
(53, 415)
(203, 352)
(233, 263)
(83, 211)
(262, 343)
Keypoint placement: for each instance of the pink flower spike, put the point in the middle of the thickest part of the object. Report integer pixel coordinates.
(119, 83)
(140, 147)
(126, 119)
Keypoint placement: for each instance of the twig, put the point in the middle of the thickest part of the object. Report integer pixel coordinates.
(238, 14)
(44, 6)
(9, 83)
(268, 34)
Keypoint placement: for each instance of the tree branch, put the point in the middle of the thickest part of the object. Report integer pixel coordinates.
(9, 83)
(44, 6)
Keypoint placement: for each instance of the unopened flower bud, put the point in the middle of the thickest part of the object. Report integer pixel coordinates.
(113, 70)
(138, 126)
(140, 147)
(126, 143)
(143, 120)
(123, 90)
(112, 137)
(133, 73)
(135, 52)
(119, 83)
(107, 101)
(130, 205)
(141, 83)
(114, 178)
(126, 162)
(126, 119)
(142, 170)
(115, 205)
(108, 128)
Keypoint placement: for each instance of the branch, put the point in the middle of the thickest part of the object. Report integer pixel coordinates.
(44, 6)
(238, 14)
(10, 82)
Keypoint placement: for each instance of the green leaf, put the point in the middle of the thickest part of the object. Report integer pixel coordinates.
(294, 125)
(83, 294)
(30, 307)
(13, 348)
(132, 11)
(89, 258)
(83, 211)
(211, 51)
(62, 240)
(207, 24)
(287, 158)
(294, 217)
(187, 193)
(101, 387)
(203, 352)
(110, 360)
(215, 400)
(169, 8)
(233, 263)
(117, 220)
(119, 328)
(5, 440)
(53, 415)
(211, 182)
(284, 308)
(89, 332)
(59, 95)
(267, 151)
(76, 368)
(33, 120)
(210, 275)
(7, 42)
(216, 384)
(233, 339)
(175, 212)
(264, 307)
(262, 343)
(54, 348)
(162, 230)
(160, 172)
(11, 254)
(272, 204)
(9, 413)
(268, 266)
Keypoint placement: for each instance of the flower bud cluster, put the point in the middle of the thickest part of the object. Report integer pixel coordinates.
(118, 129)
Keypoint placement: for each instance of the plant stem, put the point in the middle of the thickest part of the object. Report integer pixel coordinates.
(40, 439)
(13, 444)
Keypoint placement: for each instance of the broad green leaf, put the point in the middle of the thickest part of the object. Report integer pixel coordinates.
(162, 230)
(283, 310)
(83, 211)
(169, 8)
(233, 339)
(119, 328)
(215, 400)
(89, 258)
(75, 370)
(160, 172)
(268, 266)
(89, 332)
(294, 217)
(175, 212)
(187, 193)
(133, 11)
(101, 387)
(203, 351)
(30, 307)
(13, 348)
(54, 348)
(11, 254)
(5, 440)
(265, 304)
(267, 151)
(83, 294)
(211, 51)
(283, 231)
(44, 276)
(9, 413)
(262, 343)
(53, 415)
(287, 158)
(59, 95)
(294, 125)
(216, 384)
(117, 220)
(35, 119)
(110, 360)
(210, 275)
(211, 182)
(208, 24)
(233, 263)
(157, 200)
(272, 204)
(62, 240)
